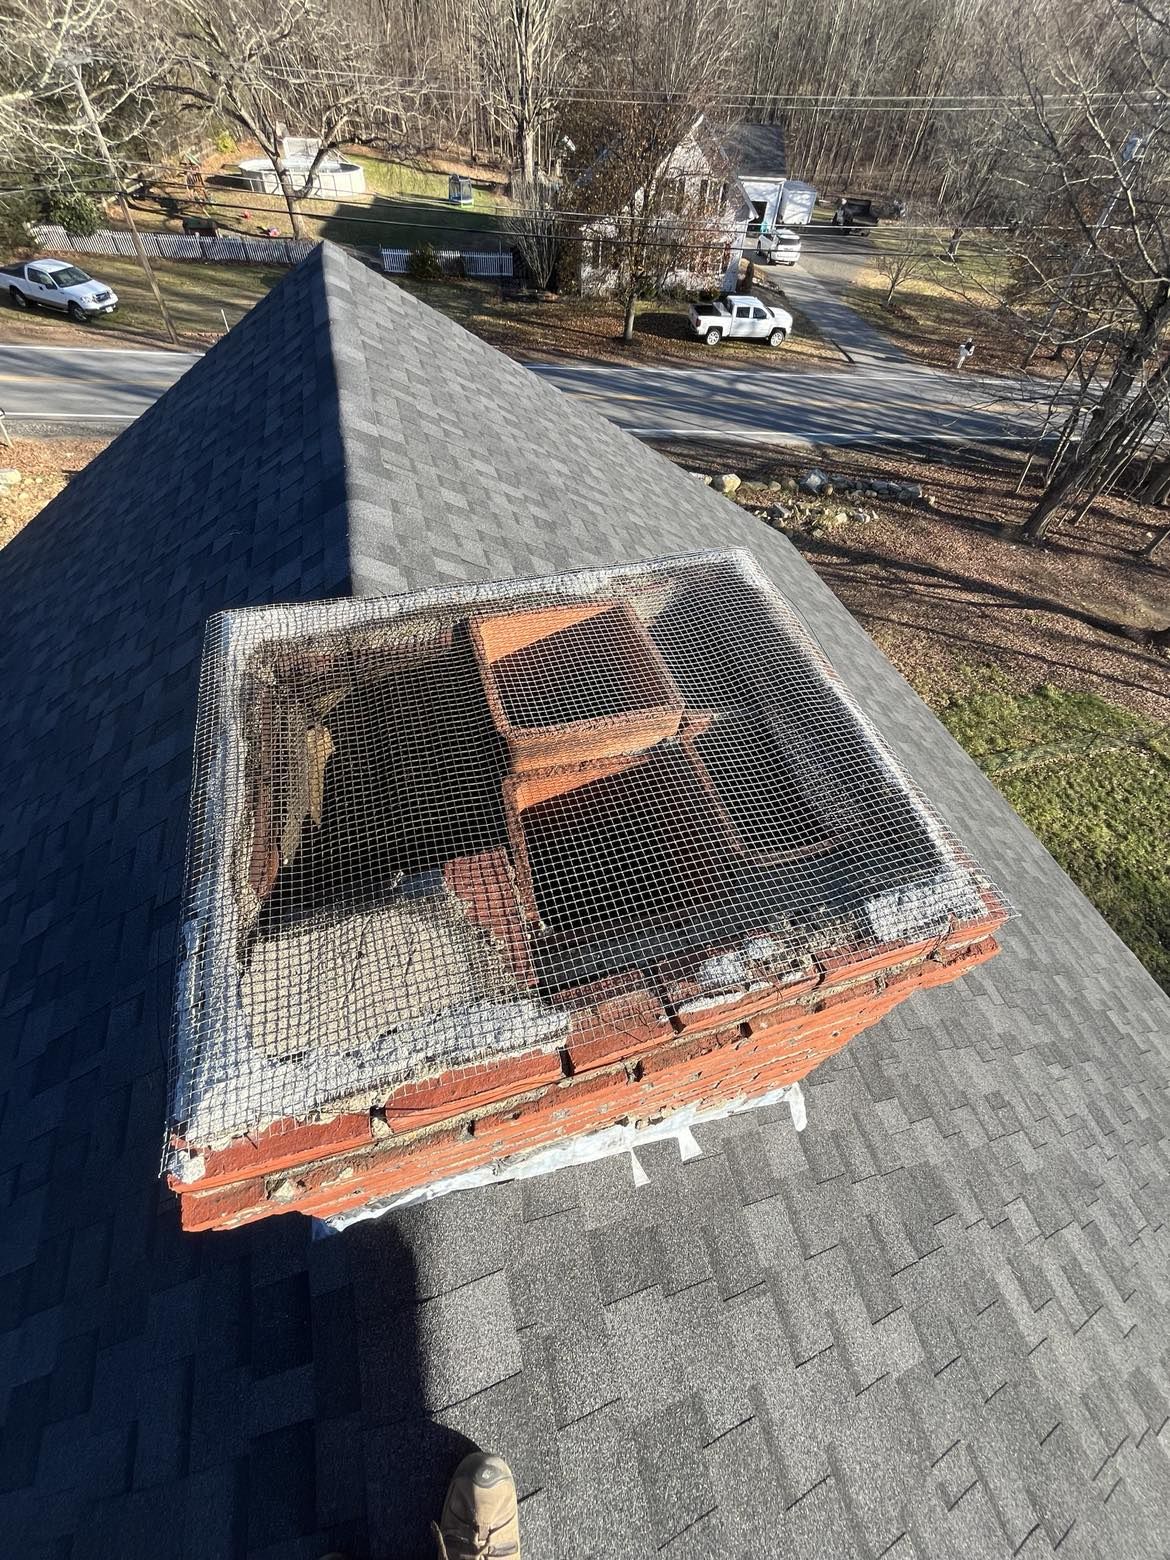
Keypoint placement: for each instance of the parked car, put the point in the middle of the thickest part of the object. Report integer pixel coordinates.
(55, 284)
(739, 317)
(781, 247)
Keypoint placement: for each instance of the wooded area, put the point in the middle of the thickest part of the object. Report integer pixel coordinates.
(1039, 133)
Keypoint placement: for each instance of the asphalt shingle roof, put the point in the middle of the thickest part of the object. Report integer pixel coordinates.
(934, 1324)
(755, 150)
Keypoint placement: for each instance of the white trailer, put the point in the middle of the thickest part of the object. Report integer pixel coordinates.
(796, 204)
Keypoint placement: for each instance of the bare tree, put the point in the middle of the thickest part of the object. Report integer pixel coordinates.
(80, 96)
(663, 216)
(524, 68)
(656, 180)
(296, 67)
(537, 228)
(43, 123)
(905, 249)
(1093, 260)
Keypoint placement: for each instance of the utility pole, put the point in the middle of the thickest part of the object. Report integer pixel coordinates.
(73, 64)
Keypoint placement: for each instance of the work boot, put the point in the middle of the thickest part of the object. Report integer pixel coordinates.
(480, 1518)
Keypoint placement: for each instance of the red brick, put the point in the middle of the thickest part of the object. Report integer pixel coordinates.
(420, 1104)
(776, 1047)
(485, 884)
(614, 1020)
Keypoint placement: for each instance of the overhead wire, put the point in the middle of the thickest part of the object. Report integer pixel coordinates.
(568, 92)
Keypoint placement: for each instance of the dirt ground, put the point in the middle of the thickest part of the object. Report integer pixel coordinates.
(944, 592)
(45, 466)
(584, 328)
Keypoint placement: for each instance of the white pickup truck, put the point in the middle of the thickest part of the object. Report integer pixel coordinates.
(734, 317)
(55, 284)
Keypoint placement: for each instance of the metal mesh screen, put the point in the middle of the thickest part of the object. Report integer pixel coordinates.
(429, 831)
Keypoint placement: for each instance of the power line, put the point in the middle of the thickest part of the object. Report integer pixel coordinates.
(504, 236)
(568, 92)
(820, 232)
(560, 215)
(780, 99)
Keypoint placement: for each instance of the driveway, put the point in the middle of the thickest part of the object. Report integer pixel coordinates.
(833, 258)
(858, 340)
(828, 264)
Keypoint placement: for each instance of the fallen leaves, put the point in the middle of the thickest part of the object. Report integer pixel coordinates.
(45, 466)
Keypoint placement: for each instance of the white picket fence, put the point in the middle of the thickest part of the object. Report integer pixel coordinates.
(238, 247)
(475, 262)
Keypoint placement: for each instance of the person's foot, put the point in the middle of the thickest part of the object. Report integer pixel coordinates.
(480, 1518)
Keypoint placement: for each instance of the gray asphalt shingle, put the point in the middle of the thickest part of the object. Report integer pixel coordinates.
(935, 1325)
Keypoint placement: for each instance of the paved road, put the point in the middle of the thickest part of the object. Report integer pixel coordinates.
(875, 402)
(84, 384)
(834, 258)
(892, 403)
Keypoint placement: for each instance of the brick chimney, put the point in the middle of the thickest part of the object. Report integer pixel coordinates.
(485, 880)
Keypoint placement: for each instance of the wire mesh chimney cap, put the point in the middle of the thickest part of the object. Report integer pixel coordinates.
(438, 832)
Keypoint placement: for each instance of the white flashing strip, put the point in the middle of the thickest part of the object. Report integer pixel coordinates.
(580, 1150)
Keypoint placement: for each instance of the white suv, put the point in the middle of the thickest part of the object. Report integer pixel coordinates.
(779, 248)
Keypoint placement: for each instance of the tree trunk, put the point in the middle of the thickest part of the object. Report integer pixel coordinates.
(1117, 423)
(1037, 525)
(1152, 549)
(631, 311)
(526, 150)
(524, 24)
(290, 197)
(1156, 486)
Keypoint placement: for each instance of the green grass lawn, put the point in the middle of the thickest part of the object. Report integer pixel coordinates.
(1093, 782)
(407, 206)
(195, 292)
(403, 206)
(943, 303)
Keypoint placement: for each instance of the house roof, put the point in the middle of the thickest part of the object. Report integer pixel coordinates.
(755, 151)
(933, 1324)
(709, 144)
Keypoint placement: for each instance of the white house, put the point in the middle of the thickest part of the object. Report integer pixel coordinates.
(698, 182)
(732, 183)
